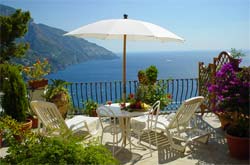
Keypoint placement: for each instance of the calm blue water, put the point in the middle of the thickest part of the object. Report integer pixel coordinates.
(169, 64)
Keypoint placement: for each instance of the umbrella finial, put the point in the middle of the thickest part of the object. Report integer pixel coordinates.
(125, 16)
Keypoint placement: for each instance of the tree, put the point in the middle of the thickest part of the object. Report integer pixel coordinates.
(13, 27)
(236, 53)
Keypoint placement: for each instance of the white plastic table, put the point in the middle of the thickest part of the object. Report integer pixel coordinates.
(124, 120)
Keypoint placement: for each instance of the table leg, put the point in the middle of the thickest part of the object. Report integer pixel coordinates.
(126, 132)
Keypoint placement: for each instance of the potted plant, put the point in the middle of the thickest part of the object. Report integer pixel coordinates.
(57, 93)
(232, 103)
(14, 101)
(39, 149)
(90, 108)
(151, 74)
(142, 77)
(31, 115)
(151, 93)
(36, 72)
(148, 91)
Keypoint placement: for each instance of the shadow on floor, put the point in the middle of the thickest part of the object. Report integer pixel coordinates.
(215, 152)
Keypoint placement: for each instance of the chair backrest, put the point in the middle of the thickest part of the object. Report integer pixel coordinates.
(48, 114)
(153, 114)
(105, 112)
(185, 112)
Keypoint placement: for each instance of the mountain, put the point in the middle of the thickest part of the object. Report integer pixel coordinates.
(61, 51)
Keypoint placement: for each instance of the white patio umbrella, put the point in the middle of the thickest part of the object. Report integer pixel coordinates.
(126, 29)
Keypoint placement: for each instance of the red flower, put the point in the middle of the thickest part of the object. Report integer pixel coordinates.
(109, 102)
(131, 96)
(169, 96)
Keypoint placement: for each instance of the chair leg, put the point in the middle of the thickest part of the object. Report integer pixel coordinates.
(129, 137)
(114, 144)
(156, 140)
(149, 143)
(101, 137)
(139, 138)
(173, 145)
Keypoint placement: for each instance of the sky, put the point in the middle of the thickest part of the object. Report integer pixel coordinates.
(204, 24)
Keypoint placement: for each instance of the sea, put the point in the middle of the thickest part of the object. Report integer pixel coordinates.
(170, 64)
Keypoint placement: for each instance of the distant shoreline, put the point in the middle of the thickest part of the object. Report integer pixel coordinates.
(170, 64)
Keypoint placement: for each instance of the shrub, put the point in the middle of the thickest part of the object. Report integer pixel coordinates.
(148, 91)
(38, 149)
(14, 100)
(149, 94)
(38, 70)
(232, 97)
(152, 73)
(90, 106)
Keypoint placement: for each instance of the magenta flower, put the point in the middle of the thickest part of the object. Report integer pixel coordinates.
(231, 88)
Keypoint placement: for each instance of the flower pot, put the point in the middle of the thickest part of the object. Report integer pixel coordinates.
(62, 103)
(93, 113)
(34, 122)
(27, 125)
(36, 84)
(238, 146)
(24, 127)
(223, 120)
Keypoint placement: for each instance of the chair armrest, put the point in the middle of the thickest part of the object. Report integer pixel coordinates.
(170, 116)
(162, 124)
(76, 124)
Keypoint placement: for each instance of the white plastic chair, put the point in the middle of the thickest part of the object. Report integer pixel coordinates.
(147, 123)
(52, 120)
(177, 125)
(109, 124)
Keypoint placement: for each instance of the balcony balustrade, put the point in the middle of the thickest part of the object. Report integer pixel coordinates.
(101, 92)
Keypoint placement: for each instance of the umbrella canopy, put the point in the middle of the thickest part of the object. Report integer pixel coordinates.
(126, 29)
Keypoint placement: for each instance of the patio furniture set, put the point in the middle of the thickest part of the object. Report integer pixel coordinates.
(121, 124)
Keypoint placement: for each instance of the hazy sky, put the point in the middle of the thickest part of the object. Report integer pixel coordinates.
(204, 24)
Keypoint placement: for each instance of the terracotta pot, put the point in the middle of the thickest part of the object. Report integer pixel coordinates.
(24, 127)
(62, 103)
(36, 84)
(93, 113)
(34, 122)
(238, 146)
(27, 125)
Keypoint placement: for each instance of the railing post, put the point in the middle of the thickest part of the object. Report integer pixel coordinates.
(176, 87)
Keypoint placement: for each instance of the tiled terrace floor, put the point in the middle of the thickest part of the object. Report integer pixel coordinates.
(215, 152)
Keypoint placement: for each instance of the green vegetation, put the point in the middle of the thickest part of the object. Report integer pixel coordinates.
(90, 107)
(142, 77)
(151, 93)
(148, 76)
(13, 27)
(14, 100)
(38, 70)
(149, 90)
(57, 86)
(152, 73)
(57, 93)
(38, 149)
(236, 53)
(49, 42)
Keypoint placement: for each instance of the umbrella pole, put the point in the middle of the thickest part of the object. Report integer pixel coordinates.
(124, 69)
